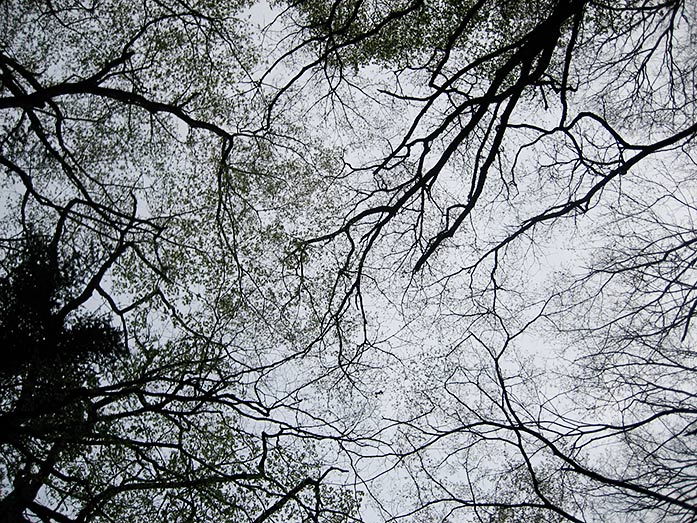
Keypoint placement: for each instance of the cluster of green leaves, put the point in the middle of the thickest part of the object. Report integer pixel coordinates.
(131, 137)
(411, 32)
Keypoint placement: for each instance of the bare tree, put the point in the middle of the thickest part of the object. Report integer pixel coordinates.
(529, 133)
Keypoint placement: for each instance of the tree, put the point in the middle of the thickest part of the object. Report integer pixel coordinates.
(439, 252)
(130, 151)
(581, 118)
(91, 433)
(46, 363)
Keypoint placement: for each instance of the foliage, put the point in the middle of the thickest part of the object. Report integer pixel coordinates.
(119, 122)
(35, 327)
(388, 260)
(413, 32)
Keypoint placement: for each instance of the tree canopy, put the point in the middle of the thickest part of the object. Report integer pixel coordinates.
(349, 260)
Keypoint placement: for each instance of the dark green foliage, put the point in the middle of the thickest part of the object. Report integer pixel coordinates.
(33, 329)
(412, 31)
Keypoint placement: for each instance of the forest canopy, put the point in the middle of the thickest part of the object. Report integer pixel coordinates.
(348, 260)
